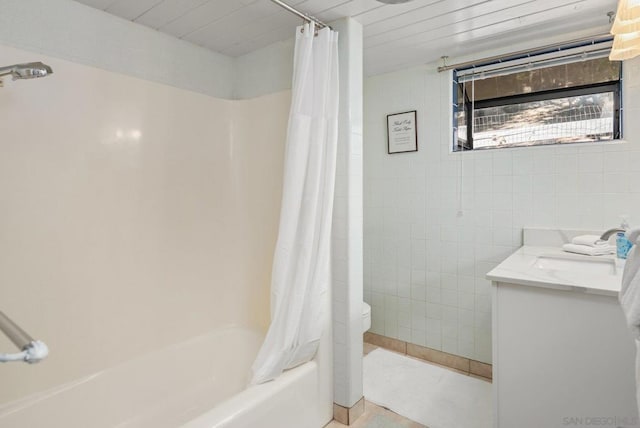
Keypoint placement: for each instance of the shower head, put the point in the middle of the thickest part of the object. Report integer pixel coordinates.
(29, 70)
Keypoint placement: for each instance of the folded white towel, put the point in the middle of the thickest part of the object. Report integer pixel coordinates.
(590, 240)
(600, 250)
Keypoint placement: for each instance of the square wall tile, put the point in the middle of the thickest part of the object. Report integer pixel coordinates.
(451, 218)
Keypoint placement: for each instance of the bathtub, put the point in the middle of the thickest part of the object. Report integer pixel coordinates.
(200, 383)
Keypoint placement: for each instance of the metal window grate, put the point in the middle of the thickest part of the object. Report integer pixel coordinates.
(577, 102)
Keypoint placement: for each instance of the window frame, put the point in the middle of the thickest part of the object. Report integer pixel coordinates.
(594, 88)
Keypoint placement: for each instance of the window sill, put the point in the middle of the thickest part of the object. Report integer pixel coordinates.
(614, 145)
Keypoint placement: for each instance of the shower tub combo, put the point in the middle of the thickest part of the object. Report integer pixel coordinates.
(200, 383)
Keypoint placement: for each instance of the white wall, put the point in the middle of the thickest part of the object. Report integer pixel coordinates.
(70, 30)
(135, 215)
(264, 71)
(347, 231)
(424, 266)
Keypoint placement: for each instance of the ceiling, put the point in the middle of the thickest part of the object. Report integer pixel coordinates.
(395, 36)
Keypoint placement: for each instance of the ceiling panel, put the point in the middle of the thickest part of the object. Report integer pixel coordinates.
(315, 7)
(440, 15)
(383, 60)
(98, 4)
(350, 8)
(218, 35)
(197, 18)
(130, 10)
(277, 34)
(444, 25)
(168, 11)
(384, 13)
(253, 36)
(396, 36)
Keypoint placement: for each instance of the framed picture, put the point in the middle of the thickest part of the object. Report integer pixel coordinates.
(402, 132)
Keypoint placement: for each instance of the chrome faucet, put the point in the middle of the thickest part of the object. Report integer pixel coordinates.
(606, 235)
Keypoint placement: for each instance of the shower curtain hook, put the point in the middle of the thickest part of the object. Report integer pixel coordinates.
(315, 27)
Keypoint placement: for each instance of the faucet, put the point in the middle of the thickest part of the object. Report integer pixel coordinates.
(606, 235)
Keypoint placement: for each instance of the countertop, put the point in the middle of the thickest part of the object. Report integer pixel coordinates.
(519, 269)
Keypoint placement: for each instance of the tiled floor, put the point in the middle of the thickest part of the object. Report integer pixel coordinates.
(375, 416)
(426, 393)
(443, 359)
(368, 347)
(378, 417)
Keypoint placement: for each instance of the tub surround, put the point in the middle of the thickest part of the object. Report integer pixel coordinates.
(128, 227)
(162, 208)
(199, 383)
(290, 400)
(560, 338)
(173, 385)
(158, 194)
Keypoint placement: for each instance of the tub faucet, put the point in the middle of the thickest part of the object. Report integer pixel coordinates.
(606, 235)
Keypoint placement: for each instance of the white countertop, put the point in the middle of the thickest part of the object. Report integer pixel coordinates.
(519, 269)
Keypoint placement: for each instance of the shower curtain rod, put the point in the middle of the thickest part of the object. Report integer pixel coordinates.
(302, 15)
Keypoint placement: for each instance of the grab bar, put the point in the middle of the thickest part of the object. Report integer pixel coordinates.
(32, 351)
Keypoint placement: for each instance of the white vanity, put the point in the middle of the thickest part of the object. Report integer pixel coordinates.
(562, 354)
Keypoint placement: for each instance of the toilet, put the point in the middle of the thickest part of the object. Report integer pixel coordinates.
(366, 317)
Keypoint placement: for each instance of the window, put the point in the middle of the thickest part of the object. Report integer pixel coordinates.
(568, 95)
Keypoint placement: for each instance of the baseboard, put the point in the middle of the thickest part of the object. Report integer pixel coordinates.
(348, 415)
(454, 362)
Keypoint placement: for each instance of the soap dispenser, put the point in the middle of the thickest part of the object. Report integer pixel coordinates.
(623, 245)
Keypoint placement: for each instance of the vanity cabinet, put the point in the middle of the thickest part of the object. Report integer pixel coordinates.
(562, 357)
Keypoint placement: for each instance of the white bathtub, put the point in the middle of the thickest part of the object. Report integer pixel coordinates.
(196, 384)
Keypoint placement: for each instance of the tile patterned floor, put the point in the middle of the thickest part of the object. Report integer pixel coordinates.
(368, 347)
(375, 416)
(426, 393)
(378, 417)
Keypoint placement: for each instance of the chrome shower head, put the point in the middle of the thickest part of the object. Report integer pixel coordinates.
(29, 70)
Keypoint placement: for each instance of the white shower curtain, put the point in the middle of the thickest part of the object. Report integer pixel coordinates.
(301, 267)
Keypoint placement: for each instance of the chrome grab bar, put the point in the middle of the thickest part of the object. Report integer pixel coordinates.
(32, 351)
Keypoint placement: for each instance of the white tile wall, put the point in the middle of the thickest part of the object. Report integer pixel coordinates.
(347, 257)
(424, 263)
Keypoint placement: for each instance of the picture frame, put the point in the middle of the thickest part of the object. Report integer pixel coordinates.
(402, 132)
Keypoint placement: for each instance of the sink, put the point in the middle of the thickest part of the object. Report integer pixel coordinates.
(582, 265)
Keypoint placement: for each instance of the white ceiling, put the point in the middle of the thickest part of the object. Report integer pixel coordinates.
(395, 36)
